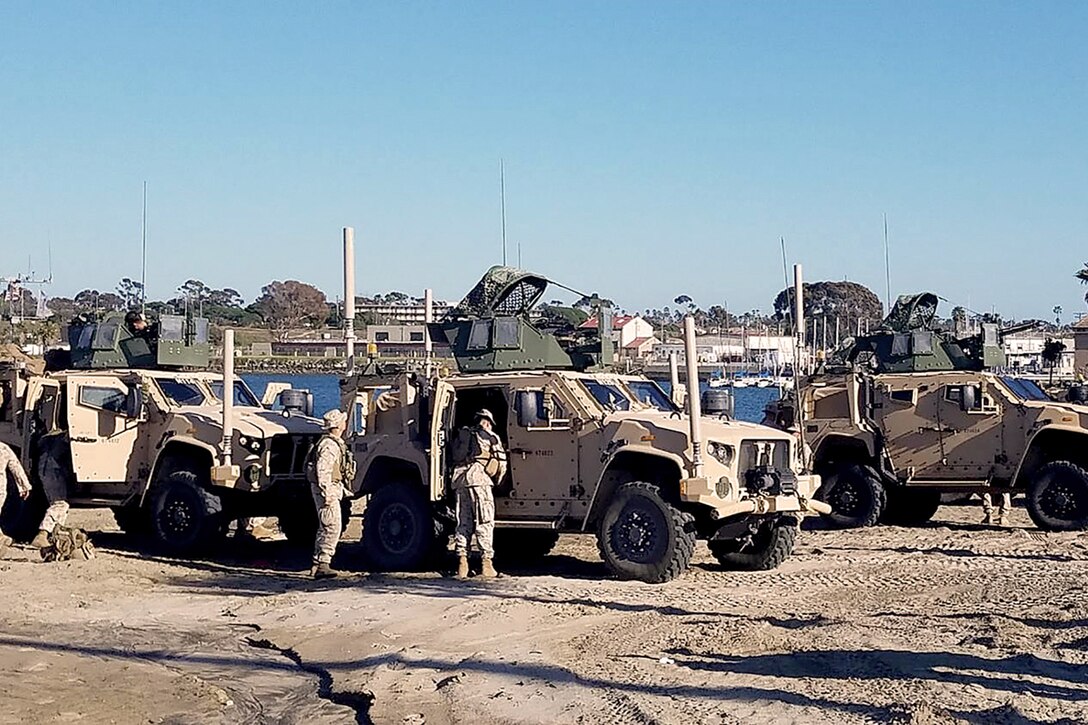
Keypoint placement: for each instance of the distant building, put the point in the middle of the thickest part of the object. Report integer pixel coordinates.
(1024, 353)
(403, 341)
(1080, 346)
(397, 314)
(626, 329)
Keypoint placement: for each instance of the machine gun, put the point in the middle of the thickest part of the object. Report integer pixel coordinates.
(491, 330)
(909, 341)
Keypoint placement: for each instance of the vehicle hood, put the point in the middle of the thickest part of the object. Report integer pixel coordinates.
(712, 428)
(252, 422)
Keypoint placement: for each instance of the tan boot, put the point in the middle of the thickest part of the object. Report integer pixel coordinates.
(5, 542)
(41, 540)
(988, 519)
(487, 569)
(1000, 518)
(462, 566)
(324, 571)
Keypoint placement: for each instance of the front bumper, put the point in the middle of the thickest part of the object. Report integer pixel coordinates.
(702, 491)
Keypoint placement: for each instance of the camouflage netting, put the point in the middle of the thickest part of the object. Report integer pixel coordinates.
(502, 291)
(912, 312)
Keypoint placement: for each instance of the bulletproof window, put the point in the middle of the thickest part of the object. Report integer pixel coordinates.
(180, 392)
(479, 337)
(106, 334)
(921, 342)
(415, 337)
(903, 396)
(243, 396)
(171, 328)
(648, 392)
(953, 393)
(507, 333)
(86, 334)
(607, 395)
(110, 399)
(200, 329)
(900, 344)
(381, 337)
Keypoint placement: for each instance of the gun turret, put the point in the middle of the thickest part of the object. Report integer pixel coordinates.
(175, 341)
(491, 330)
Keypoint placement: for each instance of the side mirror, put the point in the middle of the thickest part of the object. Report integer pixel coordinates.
(969, 398)
(134, 402)
(528, 411)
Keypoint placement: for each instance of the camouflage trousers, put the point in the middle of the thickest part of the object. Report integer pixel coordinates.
(329, 524)
(475, 515)
(55, 486)
(1004, 502)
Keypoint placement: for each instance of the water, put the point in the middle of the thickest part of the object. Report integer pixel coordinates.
(749, 402)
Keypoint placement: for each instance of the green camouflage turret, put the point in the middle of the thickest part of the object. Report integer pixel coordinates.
(174, 341)
(491, 331)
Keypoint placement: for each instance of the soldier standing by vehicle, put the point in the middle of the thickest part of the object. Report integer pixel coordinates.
(479, 463)
(9, 463)
(334, 467)
(1004, 500)
(54, 470)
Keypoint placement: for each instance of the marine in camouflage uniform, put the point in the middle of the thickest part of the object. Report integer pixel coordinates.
(1004, 501)
(54, 471)
(335, 468)
(482, 466)
(9, 463)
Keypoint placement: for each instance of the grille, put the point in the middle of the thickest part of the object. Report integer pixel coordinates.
(765, 467)
(287, 454)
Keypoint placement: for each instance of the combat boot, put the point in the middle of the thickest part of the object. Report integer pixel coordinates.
(324, 571)
(487, 569)
(462, 566)
(5, 542)
(41, 540)
(1000, 517)
(988, 519)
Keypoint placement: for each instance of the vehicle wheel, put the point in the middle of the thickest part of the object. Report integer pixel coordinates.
(298, 520)
(398, 528)
(910, 507)
(523, 546)
(131, 519)
(642, 536)
(21, 518)
(769, 547)
(185, 516)
(1058, 497)
(856, 495)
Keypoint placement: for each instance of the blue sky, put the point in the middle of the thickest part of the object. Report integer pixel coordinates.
(651, 149)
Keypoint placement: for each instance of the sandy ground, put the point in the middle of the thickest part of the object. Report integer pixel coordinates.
(948, 623)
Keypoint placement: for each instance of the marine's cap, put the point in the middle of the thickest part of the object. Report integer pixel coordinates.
(485, 413)
(333, 418)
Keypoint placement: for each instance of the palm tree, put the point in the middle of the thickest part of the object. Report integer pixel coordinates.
(1082, 275)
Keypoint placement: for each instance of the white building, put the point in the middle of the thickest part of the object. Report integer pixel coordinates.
(1024, 353)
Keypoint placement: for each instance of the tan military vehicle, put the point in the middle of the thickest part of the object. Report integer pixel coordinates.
(148, 442)
(912, 414)
(589, 451)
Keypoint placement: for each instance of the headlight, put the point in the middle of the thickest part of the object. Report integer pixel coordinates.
(252, 473)
(721, 452)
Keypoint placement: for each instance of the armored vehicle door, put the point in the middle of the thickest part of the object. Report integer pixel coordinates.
(972, 445)
(441, 426)
(543, 452)
(906, 410)
(43, 413)
(104, 428)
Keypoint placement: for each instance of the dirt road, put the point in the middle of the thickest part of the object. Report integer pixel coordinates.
(942, 624)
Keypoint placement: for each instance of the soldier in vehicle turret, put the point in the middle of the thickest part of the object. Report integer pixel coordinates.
(479, 463)
(136, 323)
(10, 465)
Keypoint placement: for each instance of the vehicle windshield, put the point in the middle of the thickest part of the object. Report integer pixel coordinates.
(243, 396)
(649, 393)
(185, 393)
(608, 395)
(1025, 389)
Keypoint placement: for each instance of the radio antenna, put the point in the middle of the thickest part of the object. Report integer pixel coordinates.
(143, 257)
(887, 271)
(502, 206)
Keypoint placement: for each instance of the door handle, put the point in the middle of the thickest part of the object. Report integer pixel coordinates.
(81, 439)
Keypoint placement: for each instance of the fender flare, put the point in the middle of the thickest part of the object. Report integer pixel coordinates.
(417, 460)
(1031, 444)
(671, 458)
(166, 448)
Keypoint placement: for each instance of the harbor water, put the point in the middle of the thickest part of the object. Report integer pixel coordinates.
(749, 402)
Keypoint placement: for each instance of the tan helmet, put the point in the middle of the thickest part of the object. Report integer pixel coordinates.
(333, 418)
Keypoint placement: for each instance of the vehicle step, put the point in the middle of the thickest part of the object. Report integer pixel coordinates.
(521, 524)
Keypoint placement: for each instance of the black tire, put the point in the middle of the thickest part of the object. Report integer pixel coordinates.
(398, 528)
(1058, 497)
(298, 520)
(20, 518)
(131, 519)
(642, 536)
(856, 495)
(184, 516)
(769, 547)
(910, 507)
(524, 546)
